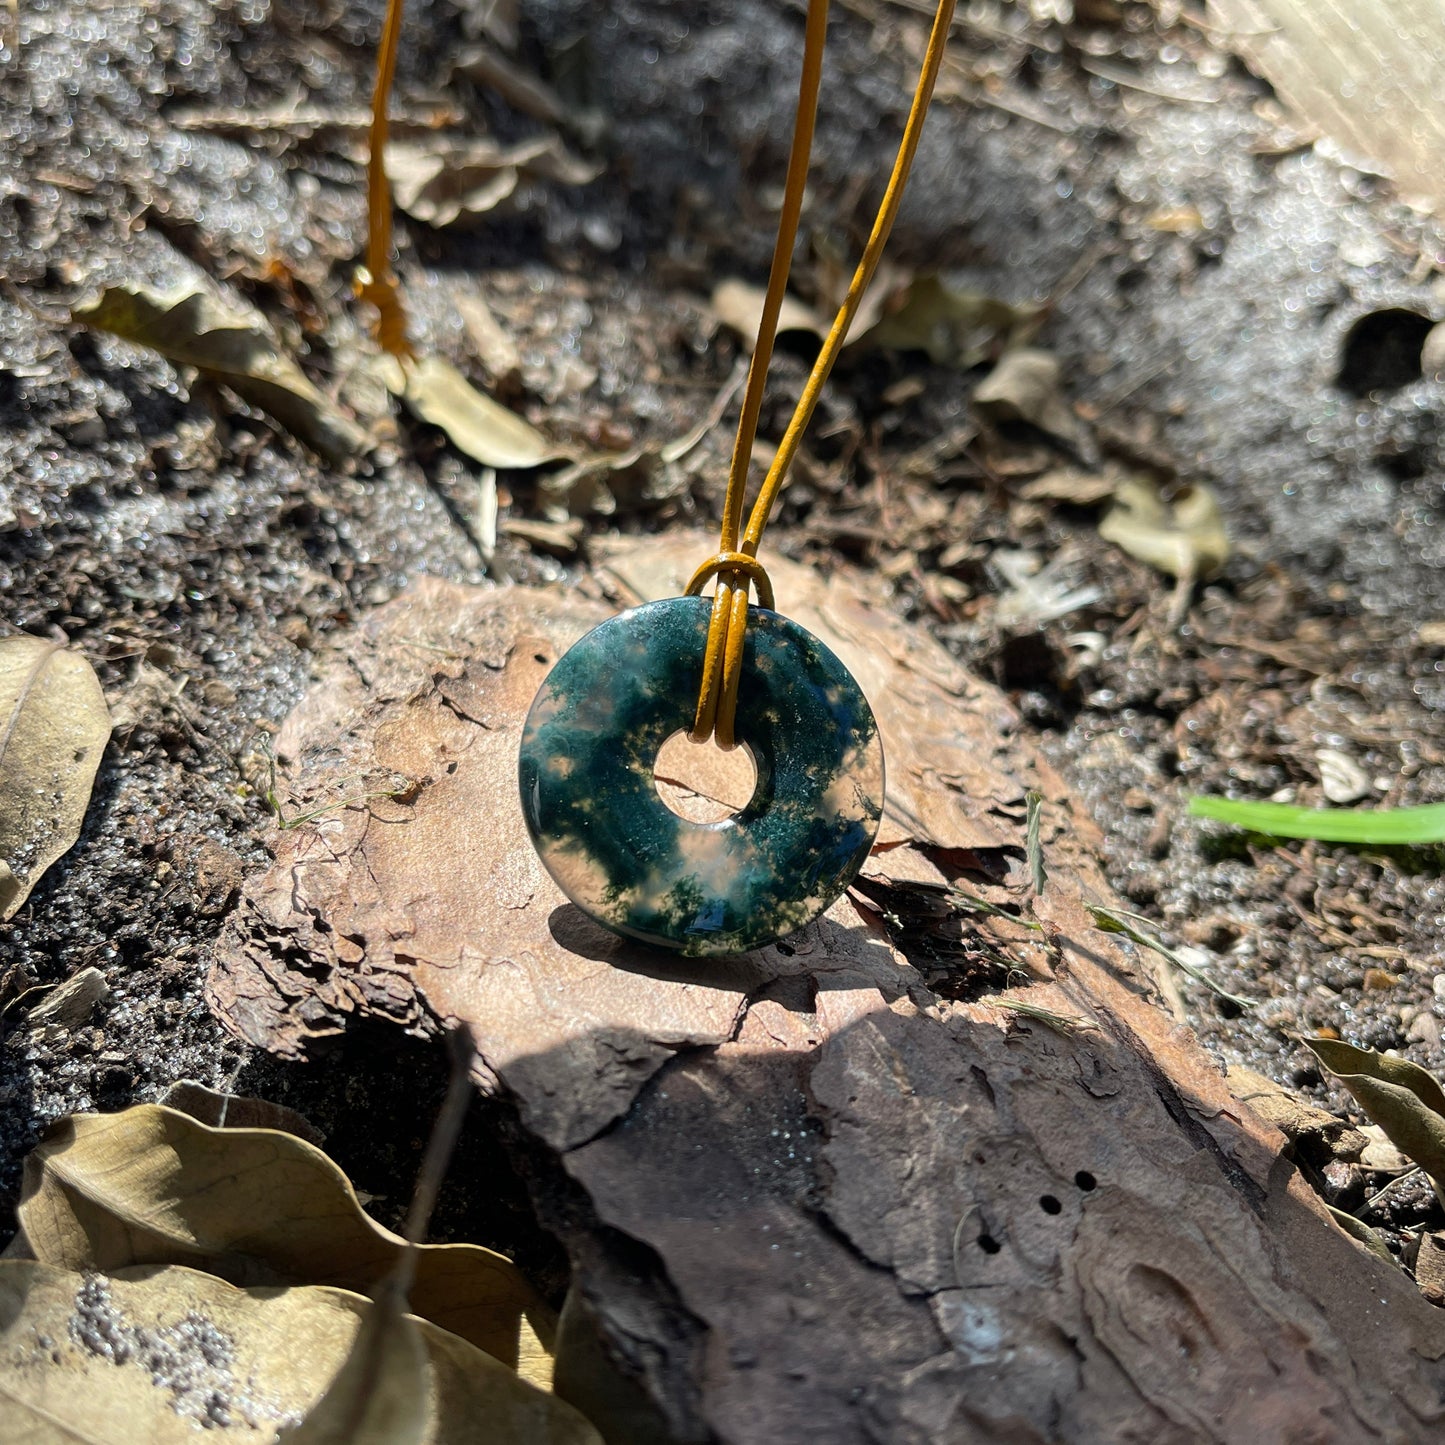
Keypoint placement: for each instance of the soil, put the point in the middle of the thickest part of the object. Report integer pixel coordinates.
(1233, 306)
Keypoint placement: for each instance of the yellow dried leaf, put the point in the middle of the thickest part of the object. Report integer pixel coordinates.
(380, 1394)
(484, 429)
(53, 728)
(233, 344)
(151, 1185)
(739, 306)
(1184, 538)
(166, 1356)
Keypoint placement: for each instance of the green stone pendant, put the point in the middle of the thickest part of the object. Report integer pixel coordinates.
(624, 857)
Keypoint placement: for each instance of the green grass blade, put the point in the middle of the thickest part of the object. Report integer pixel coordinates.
(1382, 827)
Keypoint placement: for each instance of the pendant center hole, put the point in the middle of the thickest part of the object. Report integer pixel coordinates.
(702, 783)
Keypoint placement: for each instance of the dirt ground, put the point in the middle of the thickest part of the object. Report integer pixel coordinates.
(1232, 306)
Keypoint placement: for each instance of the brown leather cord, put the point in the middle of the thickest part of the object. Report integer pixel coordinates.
(376, 281)
(722, 659)
(731, 584)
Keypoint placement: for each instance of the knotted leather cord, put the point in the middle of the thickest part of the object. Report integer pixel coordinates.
(722, 660)
(730, 575)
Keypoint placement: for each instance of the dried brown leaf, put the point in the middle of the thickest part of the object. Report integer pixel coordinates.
(380, 1394)
(233, 344)
(484, 429)
(739, 306)
(1184, 537)
(151, 1185)
(1402, 1098)
(53, 729)
(236, 1111)
(448, 182)
(1025, 385)
(167, 1355)
(956, 327)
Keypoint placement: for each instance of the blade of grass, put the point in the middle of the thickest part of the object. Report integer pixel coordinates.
(1404, 827)
(1117, 920)
(1033, 842)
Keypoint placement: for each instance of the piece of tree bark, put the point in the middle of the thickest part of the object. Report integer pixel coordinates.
(810, 1198)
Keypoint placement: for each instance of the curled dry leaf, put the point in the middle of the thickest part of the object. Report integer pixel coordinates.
(484, 429)
(956, 327)
(231, 343)
(739, 306)
(448, 181)
(1402, 1098)
(898, 313)
(1184, 537)
(1025, 386)
(1361, 1233)
(154, 1186)
(53, 729)
(236, 1111)
(165, 1356)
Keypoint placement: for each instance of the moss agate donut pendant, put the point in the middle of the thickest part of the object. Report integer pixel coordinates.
(624, 858)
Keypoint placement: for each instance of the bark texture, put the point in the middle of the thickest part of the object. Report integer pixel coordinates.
(809, 1195)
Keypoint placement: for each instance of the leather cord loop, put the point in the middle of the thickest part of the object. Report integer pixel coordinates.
(735, 564)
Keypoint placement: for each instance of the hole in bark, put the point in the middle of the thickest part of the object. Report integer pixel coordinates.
(1382, 351)
(700, 782)
(1085, 1180)
(988, 1244)
(1050, 1205)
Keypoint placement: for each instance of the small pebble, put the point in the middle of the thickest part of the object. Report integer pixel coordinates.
(1379, 979)
(1424, 1029)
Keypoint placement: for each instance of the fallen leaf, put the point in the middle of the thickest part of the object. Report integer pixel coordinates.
(236, 1111)
(1430, 1266)
(1400, 1097)
(1063, 484)
(231, 343)
(1025, 386)
(484, 429)
(151, 1185)
(165, 1355)
(53, 729)
(739, 306)
(380, 1394)
(446, 181)
(494, 348)
(1380, 1155)
(956, 327)
(1366, 76)
(1184, 537)
(1358, 1230)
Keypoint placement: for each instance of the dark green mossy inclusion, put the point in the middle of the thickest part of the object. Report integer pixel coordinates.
(616, 849)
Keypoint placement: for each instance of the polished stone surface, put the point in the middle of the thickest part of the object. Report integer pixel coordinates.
(616, 849)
